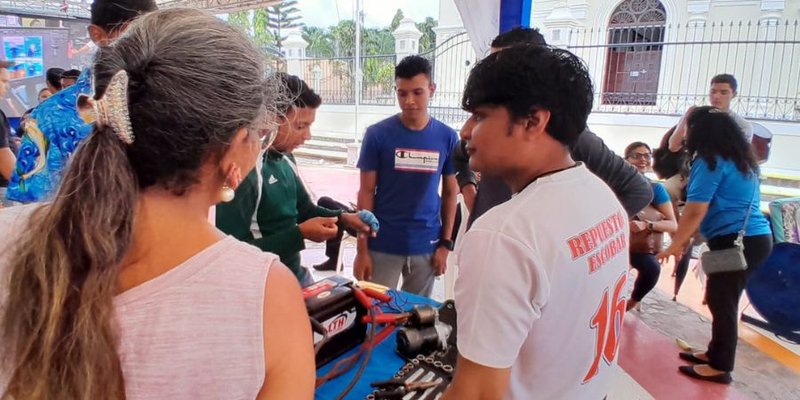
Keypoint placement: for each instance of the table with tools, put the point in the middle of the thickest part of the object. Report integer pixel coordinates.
(377, 344)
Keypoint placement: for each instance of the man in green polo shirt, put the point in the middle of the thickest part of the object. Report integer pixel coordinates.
(272, 208)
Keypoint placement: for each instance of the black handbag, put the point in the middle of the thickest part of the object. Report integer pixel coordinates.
(728, 260)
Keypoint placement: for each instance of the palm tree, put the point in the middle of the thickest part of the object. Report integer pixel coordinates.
(428, 39)
(377, 41)
(398, 16)
(343, 35)
(319, 42)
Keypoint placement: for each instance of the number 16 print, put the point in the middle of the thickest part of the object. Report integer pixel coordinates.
(607, 320)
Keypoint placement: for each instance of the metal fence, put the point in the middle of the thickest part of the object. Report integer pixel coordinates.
(452, 61)
(665, 69)
(334, 79)
(645, 69)
(377, 86)
(331, 78)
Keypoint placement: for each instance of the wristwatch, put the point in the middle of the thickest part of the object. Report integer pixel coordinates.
(650, 226)
(447, 244)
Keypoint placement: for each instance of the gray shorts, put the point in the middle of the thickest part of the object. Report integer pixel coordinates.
(417, 271)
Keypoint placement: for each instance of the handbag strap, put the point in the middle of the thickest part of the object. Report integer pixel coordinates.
(747, 213)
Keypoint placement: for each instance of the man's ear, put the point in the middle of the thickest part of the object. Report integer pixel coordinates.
(537, 121)
(432, 87)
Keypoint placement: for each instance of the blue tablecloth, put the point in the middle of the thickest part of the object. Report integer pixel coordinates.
(383, 362)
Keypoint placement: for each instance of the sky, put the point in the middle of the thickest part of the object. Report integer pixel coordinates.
(378, 13)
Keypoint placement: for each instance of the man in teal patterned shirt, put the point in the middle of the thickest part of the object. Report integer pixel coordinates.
(56, 127)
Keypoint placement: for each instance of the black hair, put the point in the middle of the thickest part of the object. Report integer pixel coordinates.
(712, 133)
(517, 36)
(71, 74)
(298, 93)
(111, 14)
(635, 145)
(53, 77)
(726, 78)
(412, 66)
(531, 77)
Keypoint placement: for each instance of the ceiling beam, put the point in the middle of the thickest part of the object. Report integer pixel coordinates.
(220, 6)
(80, 8)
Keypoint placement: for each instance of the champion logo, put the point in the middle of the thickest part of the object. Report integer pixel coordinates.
(272, 179)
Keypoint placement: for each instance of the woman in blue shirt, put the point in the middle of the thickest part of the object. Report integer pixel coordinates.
(644, 261)
(723, 183)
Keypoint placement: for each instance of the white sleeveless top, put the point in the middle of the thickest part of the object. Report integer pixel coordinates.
(195, 332)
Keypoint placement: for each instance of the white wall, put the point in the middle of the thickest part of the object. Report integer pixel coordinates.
(340, 120)
(762, 70)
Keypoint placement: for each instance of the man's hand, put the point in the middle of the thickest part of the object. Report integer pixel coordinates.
(353, 221)
(439, 260)
(362, 266)
(319, 229)
(679, 135)
(638, 226)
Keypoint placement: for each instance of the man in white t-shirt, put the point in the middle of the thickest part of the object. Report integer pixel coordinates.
(540, 291)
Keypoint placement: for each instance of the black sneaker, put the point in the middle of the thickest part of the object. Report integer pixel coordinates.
(328, 265)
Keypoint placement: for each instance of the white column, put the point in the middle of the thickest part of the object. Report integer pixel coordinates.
(406, 39)
(558, 24)
(295, 51)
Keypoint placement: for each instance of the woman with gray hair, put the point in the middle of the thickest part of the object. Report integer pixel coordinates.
(121, 288)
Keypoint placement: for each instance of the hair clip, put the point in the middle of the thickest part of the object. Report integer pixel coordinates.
(112, 108)
(715, 110)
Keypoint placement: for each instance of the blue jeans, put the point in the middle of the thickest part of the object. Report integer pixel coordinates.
(649, 271)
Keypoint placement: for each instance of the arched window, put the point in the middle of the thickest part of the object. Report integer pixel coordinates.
(635, 43)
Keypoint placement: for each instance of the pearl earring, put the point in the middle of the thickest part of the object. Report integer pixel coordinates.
(227, 193)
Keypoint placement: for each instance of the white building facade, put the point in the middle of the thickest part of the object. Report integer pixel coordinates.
(649, 59)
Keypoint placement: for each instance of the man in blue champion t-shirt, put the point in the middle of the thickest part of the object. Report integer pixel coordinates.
(402, 158)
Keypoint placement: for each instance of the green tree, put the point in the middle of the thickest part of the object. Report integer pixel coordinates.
(283, 16)
(398, 16)
(378, 72)
(242, 20)
(319, 42)
(343, 36)
(261, 33)
(428, 40)
(377, 42)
